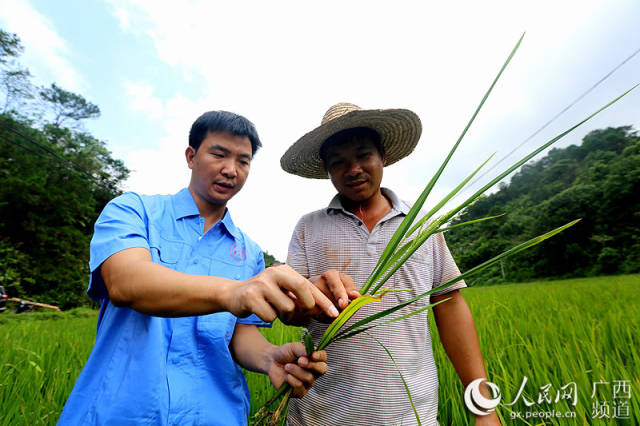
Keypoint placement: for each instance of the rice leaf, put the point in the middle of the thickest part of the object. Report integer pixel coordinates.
(342, 335)
(531, 155)
(374, 277)
(502, 175)
(449, 196)
(406, 387)
(510, 252)
(469, 222)
(344, 316)
(415, 209)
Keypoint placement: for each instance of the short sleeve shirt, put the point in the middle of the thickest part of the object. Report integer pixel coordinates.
(362, 386)
(164, 371)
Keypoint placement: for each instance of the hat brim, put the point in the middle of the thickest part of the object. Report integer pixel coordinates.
(399, 130)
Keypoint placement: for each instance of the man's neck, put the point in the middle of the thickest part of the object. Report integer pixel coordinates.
(212, 213)
(370, 211)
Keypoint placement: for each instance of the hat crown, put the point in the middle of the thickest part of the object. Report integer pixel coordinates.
(338, 110)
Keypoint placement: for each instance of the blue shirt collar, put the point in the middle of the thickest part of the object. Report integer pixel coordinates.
(227, 222)
(184, 205)
(396, 203)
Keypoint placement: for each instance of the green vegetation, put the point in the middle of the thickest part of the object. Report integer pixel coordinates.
(598, 181)
(581, 330)
(55, 178)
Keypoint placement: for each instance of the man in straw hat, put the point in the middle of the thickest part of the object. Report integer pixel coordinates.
(362, 387)
(182, 290)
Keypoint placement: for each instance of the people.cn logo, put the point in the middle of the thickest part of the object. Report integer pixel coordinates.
(476, 402)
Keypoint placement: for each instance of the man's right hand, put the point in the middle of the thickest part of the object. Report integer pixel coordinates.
(278, 292)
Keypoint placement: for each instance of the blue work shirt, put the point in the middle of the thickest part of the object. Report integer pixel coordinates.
(147, 370)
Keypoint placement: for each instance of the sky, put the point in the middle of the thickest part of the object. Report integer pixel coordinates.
(154, 66)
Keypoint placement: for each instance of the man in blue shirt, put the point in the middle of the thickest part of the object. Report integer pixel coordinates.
(182, 290)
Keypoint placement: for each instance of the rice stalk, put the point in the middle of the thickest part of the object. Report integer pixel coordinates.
(404, 243)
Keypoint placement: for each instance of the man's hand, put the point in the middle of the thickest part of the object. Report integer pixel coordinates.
(278, 292)
(290, 363)
(338, 287)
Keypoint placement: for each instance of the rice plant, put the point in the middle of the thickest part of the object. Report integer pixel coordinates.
(409, 236)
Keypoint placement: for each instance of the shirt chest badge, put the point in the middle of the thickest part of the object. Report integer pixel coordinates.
(238, 252)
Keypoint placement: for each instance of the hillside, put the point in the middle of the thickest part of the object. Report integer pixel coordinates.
(598, 181)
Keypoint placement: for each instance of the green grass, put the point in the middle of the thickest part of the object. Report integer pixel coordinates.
(41, 355)
(580, 330)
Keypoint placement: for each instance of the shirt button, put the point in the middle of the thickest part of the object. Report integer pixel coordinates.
(371, 252)
(237, 277)
(196, 261)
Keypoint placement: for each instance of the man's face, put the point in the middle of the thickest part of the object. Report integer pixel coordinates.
(220, 167)
(355, 168)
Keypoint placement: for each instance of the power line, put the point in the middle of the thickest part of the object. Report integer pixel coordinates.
(51, 152)
(545, 125)
(50, 155)
(26, 148)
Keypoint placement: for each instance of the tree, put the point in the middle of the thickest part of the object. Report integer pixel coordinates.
(10, 46)
(14, 80)
(598, 181)
(54, 181)
(67, 106)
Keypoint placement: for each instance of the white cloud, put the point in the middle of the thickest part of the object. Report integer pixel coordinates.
(282, 64)
(47, 54)
(142, 99)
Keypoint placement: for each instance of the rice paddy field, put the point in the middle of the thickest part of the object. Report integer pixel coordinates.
(576, 341)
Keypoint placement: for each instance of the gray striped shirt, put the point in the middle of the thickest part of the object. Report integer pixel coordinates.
(362, 386)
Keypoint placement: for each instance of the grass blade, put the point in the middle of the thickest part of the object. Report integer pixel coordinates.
(406, 387)
(533, 154)
(375, 276)
(342, 335)
(502, 175)
(469, 222)
(447, 198)
(510, 252)
(344, 316)
(413, 212)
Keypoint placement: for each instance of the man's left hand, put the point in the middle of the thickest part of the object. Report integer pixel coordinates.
(290, 363)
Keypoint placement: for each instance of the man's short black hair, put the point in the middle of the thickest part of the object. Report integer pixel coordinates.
(348, 135)
(223, 121)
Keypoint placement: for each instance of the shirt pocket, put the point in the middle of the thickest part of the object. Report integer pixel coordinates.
(229, 269)
(168, 252)
(216, 330)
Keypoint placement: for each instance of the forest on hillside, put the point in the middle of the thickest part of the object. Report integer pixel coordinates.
(597, 182)
(55, 178)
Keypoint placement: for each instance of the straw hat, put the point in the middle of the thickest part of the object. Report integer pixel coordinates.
(399, 131)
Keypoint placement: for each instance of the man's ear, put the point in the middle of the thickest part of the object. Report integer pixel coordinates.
(189, 153)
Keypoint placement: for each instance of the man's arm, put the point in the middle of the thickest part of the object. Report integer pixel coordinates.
(281, 363)
(460, 340)
(133, 280)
